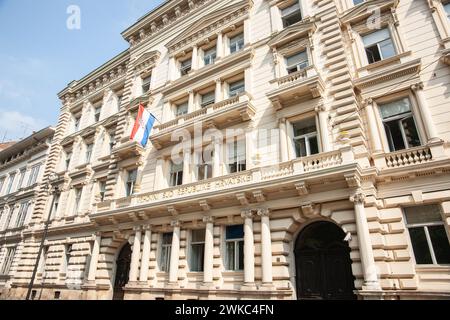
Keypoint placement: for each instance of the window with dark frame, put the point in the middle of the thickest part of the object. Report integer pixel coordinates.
(237, 160)
(146, 84)
(236, 88)
(89, 149)
(181, 109)
(234, 242)
(378, 45)
(305, 137)
(210, 56)
(297, 62)
(102, 190)
(197, 250)
(237, 43)
(166, 248)
(97, 113)
(131, 182)
(176, 174)
(77, 204)
(399, 125)
(7, 262)
(208, 99)
(291, 15)
(185, 67)
(68, 158)
(428, 235)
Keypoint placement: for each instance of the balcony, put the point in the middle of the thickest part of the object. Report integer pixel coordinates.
(129, 149)
(220, 115)
(423, 157)
(290, 176)
(295, 85)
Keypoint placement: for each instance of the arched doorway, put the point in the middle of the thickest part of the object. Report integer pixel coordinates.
(323, 263)
(122, 272)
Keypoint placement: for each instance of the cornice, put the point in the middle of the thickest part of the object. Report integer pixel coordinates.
(98, 79)
(209, 25)
(363, 11)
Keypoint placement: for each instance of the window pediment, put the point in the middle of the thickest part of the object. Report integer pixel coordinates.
(365, 10)
(209, 24)
(146, 61)
(304, 29)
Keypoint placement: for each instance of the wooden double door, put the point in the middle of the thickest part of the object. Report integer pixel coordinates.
(323, 264)
(122, 272)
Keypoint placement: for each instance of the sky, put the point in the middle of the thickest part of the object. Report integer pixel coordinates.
(40, 54)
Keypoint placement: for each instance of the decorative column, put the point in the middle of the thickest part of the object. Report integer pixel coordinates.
(247, 32)
(187, 176)
(159, 174)
(266, 247)
(323, 124)
(191, 101)
(172, 68)
(175, 252)
(218, 93)
(209, 251)
(373, 128)
(249, 249)
(284, 153)
(219, 48)
(216, 159)
(94, 258)
(194, 63)
(371, 281)
(432, 135)
(134, 267)
(143, 276)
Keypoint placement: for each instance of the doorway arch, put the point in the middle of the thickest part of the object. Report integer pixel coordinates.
(122, 271)
(323, 264)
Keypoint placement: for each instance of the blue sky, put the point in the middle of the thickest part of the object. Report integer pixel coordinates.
(39, 55)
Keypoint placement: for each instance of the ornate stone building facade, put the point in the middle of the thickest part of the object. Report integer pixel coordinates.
(327, 130)
(21, 171)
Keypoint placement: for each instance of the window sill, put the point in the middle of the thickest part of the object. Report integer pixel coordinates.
(397, 59)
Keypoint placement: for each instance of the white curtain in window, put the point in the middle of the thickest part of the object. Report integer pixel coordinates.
(376, 37)
(394, 108)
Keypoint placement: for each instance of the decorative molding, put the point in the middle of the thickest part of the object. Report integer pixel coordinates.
(247, 213)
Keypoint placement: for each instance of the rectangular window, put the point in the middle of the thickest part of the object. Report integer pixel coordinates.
(54, 209)
(166, 248)
(428, 236)
(131, 182)
(77, 123)
(146, 84)
(2, 183)
(77, 203)
(356, 2)
(208, 99)
(197, 250)
(447, 9)
(102, 188)
(8, 218)
(379, 45)
(236, 88)
(204, 167)
(181, 109)
(23, 210)
(400, 125)
(68, 158)
(7, 262)
(305, 138)
(67, 257)
(237, 161)
(210, 56)
(23, 171)
(89, 149)
(111, 142)
(234, 248)
(237, 43)
(34, 174)
(291, 14)
(297, 62)
(98, 111)
(185, 67)
(12, 177)
(176, 174)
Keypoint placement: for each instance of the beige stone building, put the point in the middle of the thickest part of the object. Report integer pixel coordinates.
(314, 161)
(21, 171)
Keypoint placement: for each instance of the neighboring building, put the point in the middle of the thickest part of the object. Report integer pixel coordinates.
(335, 182)
(21, 170)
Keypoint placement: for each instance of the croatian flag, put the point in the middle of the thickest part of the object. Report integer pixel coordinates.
(143, 126)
